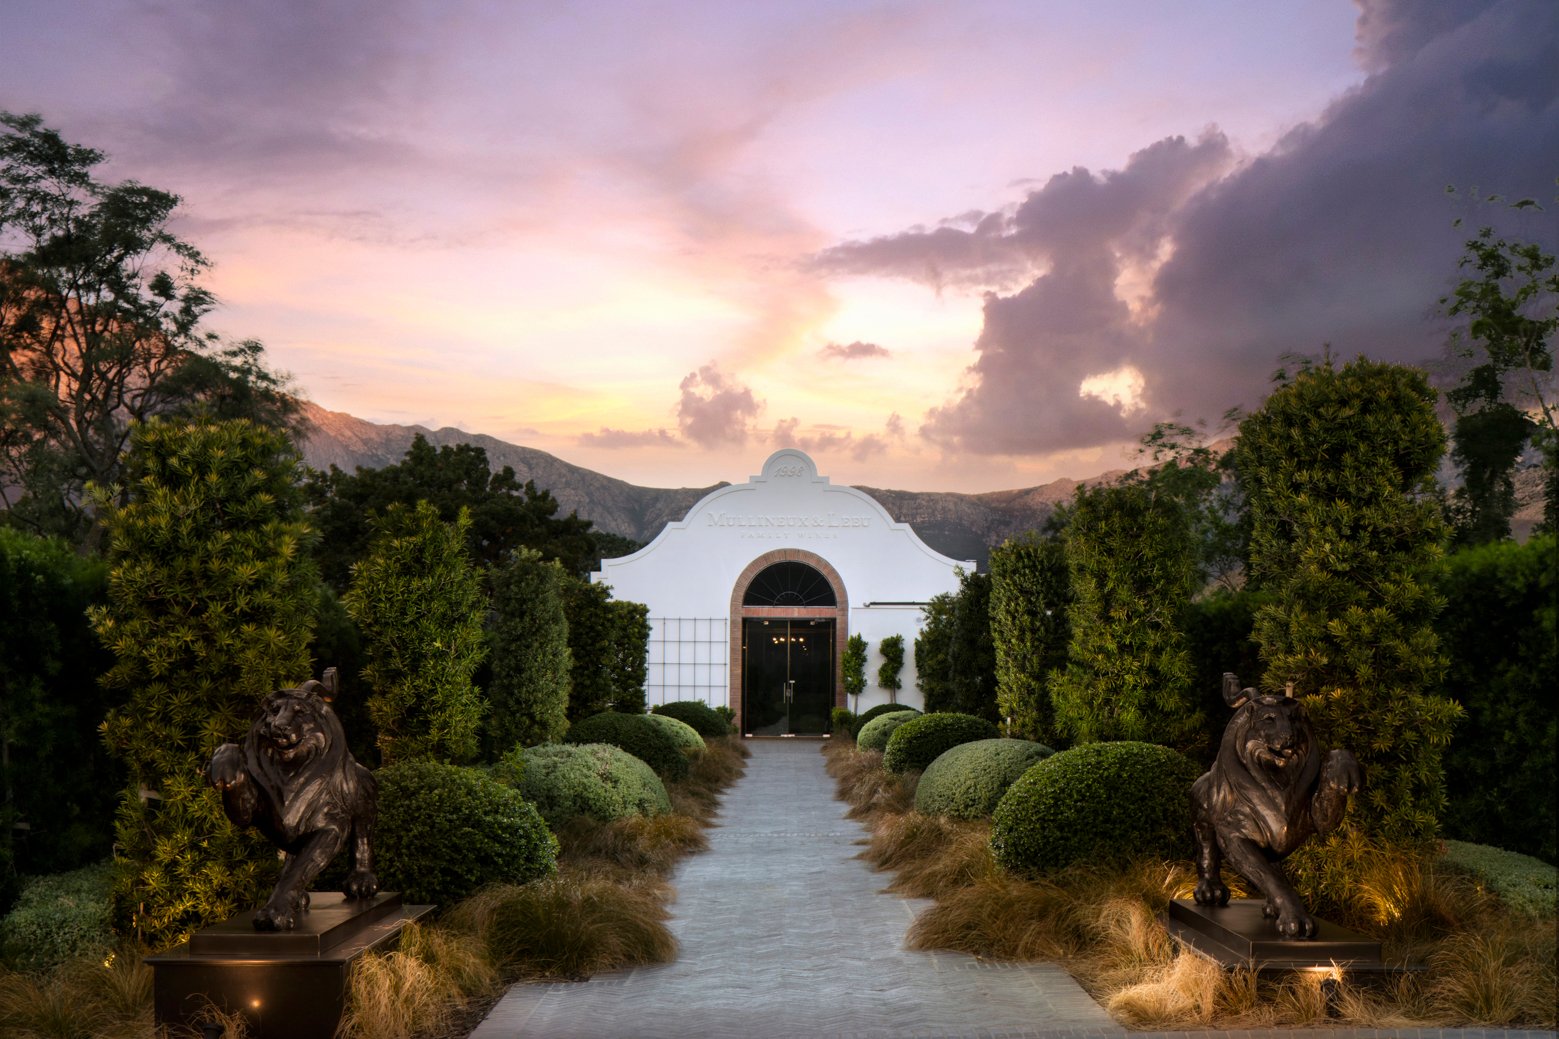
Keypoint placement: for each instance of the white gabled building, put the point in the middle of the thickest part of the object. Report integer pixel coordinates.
(752, 597)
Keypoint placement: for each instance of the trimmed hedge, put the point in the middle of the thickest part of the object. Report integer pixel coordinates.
(874, 734)
(638, 735)
(594, 779)
(918, 742)
(687, 739)
(1099, 803)
(706, 721)
(1526, 884)
(968, 780)
(445, 831)
(58, 918)
(871, 714)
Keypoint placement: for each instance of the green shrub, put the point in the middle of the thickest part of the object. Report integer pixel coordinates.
(919, 741)
(705, 719)
(968, 780)
(873, 713)
(636, 734)
(58, 918)
(1097, 803)
(445, 831)
(842, 721)
(874, 734)
(687, 739)
(594, 779)
(1528, 885)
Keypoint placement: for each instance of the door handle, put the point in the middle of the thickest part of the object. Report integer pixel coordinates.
(790, 690)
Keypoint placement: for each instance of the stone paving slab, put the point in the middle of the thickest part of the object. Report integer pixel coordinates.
(785, 934)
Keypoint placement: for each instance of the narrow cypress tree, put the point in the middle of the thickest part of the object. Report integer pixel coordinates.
(1338, 469)
(852, 667)
(418, 602)
(630, 654)
(528, 649)
(1133, 568)
(210, 608)
(1030, 592)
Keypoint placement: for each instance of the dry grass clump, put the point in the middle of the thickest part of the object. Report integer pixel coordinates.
(870, 790)
(633, 850)
(81, 998)
(722, 762)
(567, 927)
(418, 988)
(930, 855)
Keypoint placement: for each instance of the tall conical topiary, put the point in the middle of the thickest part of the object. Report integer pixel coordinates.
(210, 608)
(418, 602)
(1338, 468)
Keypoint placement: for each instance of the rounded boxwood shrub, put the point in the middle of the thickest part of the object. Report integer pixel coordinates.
(59, 917)
(921, 740)
(871, 714)
(638, 735)
(968, 780)
(874, 734)
(687, 739)
(1100, 802)
(705, 720)
(445, 831)
(596, 779)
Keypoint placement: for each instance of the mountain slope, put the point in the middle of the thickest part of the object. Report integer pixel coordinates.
(963, 526)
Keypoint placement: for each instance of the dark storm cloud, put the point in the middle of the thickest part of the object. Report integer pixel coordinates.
(852, 351)
(1341, 234)
(715, 408)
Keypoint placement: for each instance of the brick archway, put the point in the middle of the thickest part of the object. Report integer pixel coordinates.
(840, 613)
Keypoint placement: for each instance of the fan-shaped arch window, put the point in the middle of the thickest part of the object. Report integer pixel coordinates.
(789, 584)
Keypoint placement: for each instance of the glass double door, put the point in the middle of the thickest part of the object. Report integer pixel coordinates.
(787, 676)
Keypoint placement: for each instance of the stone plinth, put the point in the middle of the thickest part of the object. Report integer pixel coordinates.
(1237, 935)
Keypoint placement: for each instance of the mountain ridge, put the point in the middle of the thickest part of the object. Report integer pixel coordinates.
(963, 526)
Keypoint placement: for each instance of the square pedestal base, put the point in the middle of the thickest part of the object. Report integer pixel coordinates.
(287, 984)
(1237, 935)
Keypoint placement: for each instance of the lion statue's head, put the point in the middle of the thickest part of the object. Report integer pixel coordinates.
(1275, 732)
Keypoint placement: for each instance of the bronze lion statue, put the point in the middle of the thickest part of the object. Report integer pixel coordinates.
(295, 781)
(1269, 789)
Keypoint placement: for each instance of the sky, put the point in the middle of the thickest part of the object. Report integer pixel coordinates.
(961, 246)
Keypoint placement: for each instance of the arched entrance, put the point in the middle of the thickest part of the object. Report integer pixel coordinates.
(788, 626)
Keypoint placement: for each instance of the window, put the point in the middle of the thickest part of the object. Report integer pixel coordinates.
(789, 584)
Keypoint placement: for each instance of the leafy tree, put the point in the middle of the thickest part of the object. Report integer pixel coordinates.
(504, 513)
(1338, 467)
(1186, 470)
(892, 650)
(210, 606)
(971, 656)
(417, 600)
(528, 639)
(1511, 308)
(58, 786)
(100, 327)
(932, 646)
(630, 654)
(1031, 590)
(853, 667)
(1133, 571)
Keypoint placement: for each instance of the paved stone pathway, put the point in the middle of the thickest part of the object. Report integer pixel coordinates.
(785, 934)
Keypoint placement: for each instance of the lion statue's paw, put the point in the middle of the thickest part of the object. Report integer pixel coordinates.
(361, 883)
(1292, 920)
(1211, 891)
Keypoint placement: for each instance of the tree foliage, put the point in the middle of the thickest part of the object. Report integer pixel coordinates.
(971, 657)
(1189, 472)
(609, 641)
(527, 636)
(630, 653)
(418, 602)
(1133, 570)
(1510, 303)
(100, 327)
(852, 666)
(58, 786)
(932, 646)
(504, 514)
(1031, 591)
(210, 606)
(1338, 466)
